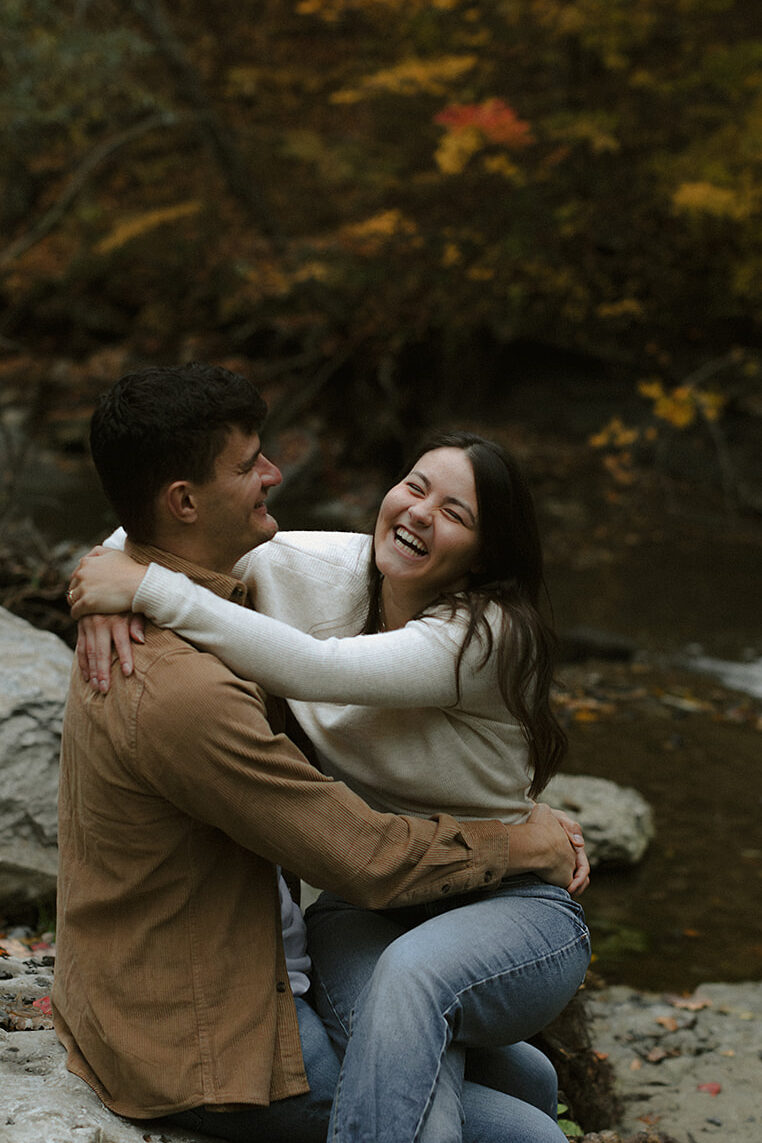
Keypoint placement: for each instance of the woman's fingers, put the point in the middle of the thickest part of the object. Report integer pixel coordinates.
(581, 877)
(97, 637)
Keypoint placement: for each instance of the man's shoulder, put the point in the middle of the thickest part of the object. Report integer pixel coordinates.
(170, 669)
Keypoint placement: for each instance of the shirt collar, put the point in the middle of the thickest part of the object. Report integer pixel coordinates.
(225, 586)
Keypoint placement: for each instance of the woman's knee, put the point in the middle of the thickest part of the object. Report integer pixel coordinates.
(518, 1069)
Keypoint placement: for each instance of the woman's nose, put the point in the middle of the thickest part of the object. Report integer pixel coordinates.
(420, 511)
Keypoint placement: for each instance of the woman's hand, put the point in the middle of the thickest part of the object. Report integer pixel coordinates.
(103, 583)
(542, 845)
(581, 878)
(96, 635)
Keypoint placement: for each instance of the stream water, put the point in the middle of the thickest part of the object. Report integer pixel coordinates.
(690, 912)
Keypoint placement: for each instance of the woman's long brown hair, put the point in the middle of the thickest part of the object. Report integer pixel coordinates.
(510, 575)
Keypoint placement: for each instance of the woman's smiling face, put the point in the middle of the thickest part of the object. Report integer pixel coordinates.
(427, 531)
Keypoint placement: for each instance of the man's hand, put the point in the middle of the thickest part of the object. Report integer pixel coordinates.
(542, 845)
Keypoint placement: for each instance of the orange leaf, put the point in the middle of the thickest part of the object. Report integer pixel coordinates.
(690, 1003)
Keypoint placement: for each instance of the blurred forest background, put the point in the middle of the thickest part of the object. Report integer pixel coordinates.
(538, 218)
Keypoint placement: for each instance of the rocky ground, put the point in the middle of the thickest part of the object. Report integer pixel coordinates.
(686, 1068)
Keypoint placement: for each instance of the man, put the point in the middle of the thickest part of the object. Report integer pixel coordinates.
(179, 799)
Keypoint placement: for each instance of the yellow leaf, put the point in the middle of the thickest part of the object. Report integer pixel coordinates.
(707, 198)
(369, 235)
(451, 255)
(456, 148)
(410, 77)
(502, 165)
(652, 389)
(711, 404)
(625, 307)
(619, 468)
(131, 228)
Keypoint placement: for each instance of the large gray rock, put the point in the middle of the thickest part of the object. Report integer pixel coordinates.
(616, 820)
(34, 678)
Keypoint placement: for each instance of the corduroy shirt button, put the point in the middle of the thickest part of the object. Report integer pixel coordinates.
(280, 986)
(445, 889)
(488, 875)
(237, 594)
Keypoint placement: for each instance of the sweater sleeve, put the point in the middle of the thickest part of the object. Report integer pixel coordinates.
(116, 540)
(411, 667)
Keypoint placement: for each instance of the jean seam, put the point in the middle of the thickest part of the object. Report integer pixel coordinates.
(515, 969)
(318, 983)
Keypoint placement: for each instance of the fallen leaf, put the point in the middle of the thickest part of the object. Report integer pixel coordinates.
(650, 1120)
(600, 1055)
(689, 705)
(668, 1022)
(710, 1088)
(11, 947)
(690, 1003)
(636, 1065)
(656, 1055)
(44, 1005)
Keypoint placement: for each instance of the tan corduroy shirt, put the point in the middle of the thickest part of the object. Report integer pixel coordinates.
(177, 800)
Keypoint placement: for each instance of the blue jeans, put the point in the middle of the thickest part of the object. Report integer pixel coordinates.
(408, 995)
(298, 1119)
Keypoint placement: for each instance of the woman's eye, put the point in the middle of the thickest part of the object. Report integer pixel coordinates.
(454, 515)
(416, 488)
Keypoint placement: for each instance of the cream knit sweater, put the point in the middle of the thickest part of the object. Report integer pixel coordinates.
(382, 710)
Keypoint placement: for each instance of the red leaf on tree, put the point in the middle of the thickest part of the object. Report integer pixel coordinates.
(498, 122)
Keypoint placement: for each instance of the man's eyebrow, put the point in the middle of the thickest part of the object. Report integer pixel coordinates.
(245, 465)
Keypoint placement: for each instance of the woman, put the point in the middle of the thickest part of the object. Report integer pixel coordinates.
(449, 693)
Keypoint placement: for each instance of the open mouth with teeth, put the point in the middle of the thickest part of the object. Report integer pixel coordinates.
(408, 543)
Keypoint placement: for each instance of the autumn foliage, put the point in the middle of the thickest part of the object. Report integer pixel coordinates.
(334, 184)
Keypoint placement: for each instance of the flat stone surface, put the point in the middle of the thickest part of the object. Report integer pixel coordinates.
(689, 1066)
(40, 1100)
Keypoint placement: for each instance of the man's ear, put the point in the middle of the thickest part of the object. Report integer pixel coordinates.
(180, 502)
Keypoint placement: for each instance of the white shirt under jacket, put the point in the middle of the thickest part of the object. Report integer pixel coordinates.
(382, 710)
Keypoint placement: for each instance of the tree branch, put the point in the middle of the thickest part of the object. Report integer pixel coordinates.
(98, 155)
(190, 89)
